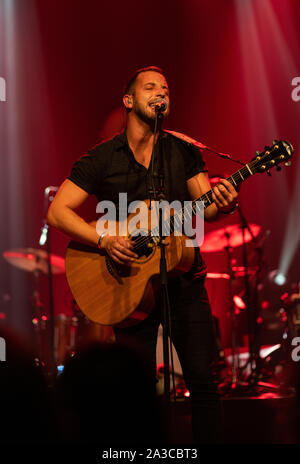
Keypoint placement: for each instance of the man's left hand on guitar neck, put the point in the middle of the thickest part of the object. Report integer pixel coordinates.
(225, 196)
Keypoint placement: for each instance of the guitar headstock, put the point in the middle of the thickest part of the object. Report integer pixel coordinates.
(280, 152)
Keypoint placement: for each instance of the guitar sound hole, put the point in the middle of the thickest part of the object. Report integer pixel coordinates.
(141, 245)
(143, 251)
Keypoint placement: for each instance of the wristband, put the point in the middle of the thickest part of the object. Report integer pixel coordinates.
(231, 211)
(100, 240)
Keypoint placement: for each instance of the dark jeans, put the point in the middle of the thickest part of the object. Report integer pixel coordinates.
(194, 339)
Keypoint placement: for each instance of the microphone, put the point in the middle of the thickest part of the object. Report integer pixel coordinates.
(160, 105)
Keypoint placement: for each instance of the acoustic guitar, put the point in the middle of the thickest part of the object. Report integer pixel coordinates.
(113, 294)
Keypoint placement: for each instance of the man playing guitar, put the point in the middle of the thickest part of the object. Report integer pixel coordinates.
(122, 165)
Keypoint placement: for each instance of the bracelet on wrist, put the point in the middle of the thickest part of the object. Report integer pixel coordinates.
(100, 240)
(231, 211)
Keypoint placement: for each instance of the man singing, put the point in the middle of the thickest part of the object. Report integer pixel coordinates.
(122, 165)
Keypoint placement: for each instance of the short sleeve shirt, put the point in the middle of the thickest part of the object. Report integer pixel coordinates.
(110, 168)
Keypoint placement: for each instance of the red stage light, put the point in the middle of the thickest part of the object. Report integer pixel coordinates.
(265, 304)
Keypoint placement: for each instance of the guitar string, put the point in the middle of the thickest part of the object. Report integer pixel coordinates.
(207, 198)
(141, 241)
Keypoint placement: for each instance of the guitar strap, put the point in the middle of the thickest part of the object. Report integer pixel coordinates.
(186, 138)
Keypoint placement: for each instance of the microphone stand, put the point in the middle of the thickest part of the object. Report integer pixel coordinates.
(158, 196)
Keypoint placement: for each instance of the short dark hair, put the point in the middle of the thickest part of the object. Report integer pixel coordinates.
(128, 89)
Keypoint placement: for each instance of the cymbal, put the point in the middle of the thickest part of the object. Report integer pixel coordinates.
(231, 236)
(31, 260)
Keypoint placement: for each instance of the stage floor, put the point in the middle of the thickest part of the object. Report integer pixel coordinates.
(266, 419)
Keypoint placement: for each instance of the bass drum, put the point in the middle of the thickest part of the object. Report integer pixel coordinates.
(71, 333)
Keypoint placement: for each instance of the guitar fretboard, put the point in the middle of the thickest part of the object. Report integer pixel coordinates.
(272, 156)
(187, 212)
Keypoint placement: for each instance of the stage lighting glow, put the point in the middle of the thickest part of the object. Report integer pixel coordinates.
(2, 89)
(26, 107)
(60, 368)
(258, 91)
(280, 279)
(288, 63)
(292, 234)
(260, 26)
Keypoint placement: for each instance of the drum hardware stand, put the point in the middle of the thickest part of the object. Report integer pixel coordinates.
(248, 296)
(46, 238)
(39, 323)
(251, 297)
(37, 261)
(233, 384)
(255, 360)
(251, 301)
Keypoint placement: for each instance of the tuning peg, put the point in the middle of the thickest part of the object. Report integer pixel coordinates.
(288, 163)
(269, 174)
(278, 168)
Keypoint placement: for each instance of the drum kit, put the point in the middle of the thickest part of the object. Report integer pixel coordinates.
(60, 340)
(251, 370)
(69, 331)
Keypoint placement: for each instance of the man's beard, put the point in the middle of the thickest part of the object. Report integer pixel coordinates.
(148, 118)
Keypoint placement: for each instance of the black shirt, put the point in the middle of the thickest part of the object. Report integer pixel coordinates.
(110, 168)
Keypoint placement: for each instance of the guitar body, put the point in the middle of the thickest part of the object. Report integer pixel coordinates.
(113, 294)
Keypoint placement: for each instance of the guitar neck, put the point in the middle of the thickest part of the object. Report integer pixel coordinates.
(272, 156)
(235, 179)
(195, 207)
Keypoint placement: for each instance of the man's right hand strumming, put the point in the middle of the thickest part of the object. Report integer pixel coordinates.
(119, 248)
